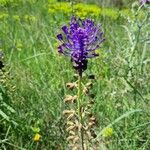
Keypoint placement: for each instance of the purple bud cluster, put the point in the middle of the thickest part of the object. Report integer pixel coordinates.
(144, 1)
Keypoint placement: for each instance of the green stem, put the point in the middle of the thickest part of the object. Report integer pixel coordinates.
(79, 95)
(79, 109)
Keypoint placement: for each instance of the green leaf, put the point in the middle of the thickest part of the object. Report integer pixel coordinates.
(9, 107)
(4, 115)
(1, 97)
(36, 130)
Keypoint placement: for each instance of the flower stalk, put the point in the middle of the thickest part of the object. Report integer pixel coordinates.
(79, 110)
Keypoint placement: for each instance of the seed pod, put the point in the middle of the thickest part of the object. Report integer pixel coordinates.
(89, 84)
(91, 124)
(70, 116)
(72, 132)
(83, 114)
(71, 86)
(70, 138)
(78, 124)
(75, 148)
(92, 119)
(70, 123)
(89, 135)
(85, 128)
(75, 139)
(82, 109)
(86, 90)
(68, 112)
(70, 99)
(70, 128)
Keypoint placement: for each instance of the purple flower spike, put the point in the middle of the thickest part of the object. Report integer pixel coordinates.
(79, 41)
(144, 2)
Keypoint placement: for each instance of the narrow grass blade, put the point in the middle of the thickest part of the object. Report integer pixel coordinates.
(4, 115)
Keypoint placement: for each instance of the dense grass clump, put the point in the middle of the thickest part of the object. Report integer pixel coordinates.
(32, 83)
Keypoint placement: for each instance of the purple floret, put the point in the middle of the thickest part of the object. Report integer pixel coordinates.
(144, 1)
(79, 41)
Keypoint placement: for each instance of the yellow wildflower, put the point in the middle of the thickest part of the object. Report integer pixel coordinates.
(107, 132)
(30, 18)
(50, 10)
(37, 137)
(112, 13)
(51, 1)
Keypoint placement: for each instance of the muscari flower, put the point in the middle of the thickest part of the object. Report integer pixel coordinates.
(79, 41)
(144, 2)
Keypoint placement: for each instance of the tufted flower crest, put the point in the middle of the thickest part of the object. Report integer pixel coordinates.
(79, 41)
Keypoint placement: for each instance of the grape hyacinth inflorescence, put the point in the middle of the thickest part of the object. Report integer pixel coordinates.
(80, 40)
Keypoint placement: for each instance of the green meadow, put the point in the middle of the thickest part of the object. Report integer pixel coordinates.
(33, 80)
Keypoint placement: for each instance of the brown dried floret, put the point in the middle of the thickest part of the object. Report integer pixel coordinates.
(70, 99)
(72, 132)
(91, 124)
(68, 112)
(75, 148)
(92, 119)
(85, 90)
(71, 86)
(70, 138)
(89, 84)
(70, 116)
(70, 123)
(70, 128)
(75, 139)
